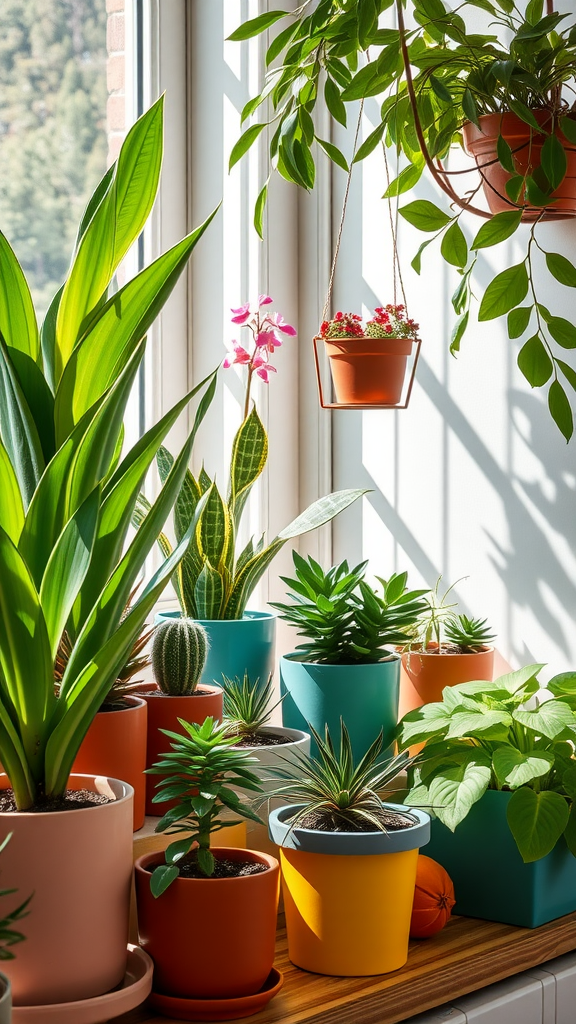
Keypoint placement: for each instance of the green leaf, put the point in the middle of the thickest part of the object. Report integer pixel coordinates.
(18, 430)
(497, 229)
(454, 248)
(11, 507)
(534, 10)
(424, 215)
(333, 153)
(550, 719)
(320, 512)
(564, 683)
(560, 410)
(514, 768)
(17, 317)
(477, 723)
(570, 831)
(370, 143)
(209, 593)
(407, 178)
(458, 333)
(440, 89)
(518, 320)
(162, 877)
(255, 26)
(417, 261)
(505, 291)
(561, 268)
(536, 820)
(367, 22)
(259, 210)
(244, 142)
(249, 455)
(505, 155)
(568, 126)
(568, 372)
(431, 720)
(534, 362)
(454, 792)
(214, 530)
(524, 113)
(469, 107)
(334, 101)
(514, 187)
(553, 160)
(562, 331)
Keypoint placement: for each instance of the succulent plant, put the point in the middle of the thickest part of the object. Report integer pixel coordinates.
(468, 634)
(179, 651)
(440, 625)
(247, 705)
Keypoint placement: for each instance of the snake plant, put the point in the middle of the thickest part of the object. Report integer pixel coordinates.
(67, 486)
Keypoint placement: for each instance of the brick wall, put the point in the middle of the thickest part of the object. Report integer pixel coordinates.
(116, 77)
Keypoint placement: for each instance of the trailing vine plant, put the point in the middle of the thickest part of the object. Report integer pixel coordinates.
(432, 78)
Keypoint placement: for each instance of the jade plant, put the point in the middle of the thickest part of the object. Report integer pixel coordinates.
(179, 652)
(198, 772)
(346, 621)
(433, 77)
(489, 735)
(216, 577)
(333, 793)
(439, 629)
(68, 483)
(247, 706)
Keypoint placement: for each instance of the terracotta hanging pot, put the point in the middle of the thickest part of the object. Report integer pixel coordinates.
(78, 866)
(163, 713)
(425, 674)
(210, 938)
(526, 146)
(368, 371)
(115, 745)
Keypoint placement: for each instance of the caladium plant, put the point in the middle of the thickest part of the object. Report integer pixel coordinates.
(67, 487)
(483, 735)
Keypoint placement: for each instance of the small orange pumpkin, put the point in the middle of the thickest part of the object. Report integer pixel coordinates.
(433, 899)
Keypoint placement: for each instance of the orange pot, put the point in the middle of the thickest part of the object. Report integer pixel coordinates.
(526, 147)
(163, 713)
(115, 745)
(78, 865)
(210, 938)
(368, 371)
(424, 674)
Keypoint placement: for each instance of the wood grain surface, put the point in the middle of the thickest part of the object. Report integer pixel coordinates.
(467, 955)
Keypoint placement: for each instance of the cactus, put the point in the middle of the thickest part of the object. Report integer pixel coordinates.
(179, 652)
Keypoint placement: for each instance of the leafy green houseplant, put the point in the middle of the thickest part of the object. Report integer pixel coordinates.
(445, 648)
(493, 763)
(68, 489)
(199, 771)
(344, 667)
(442, 84)
(338, 812)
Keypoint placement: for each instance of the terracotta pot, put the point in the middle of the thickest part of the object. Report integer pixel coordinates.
(78, 865)
(368, 371)
(163, 713)
(526, 147)
(115, 745)
(425, 674)
(210, 938)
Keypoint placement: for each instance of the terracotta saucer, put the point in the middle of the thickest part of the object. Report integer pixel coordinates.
(130, 993)
(219, 1009)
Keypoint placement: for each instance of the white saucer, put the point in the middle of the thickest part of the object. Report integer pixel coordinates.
(130, 993)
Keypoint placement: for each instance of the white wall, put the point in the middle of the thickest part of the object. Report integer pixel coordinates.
(473, 479)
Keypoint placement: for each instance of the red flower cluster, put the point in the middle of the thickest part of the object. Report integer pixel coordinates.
(344, 325)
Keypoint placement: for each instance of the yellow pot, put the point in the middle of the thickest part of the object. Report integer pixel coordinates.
(348, 911)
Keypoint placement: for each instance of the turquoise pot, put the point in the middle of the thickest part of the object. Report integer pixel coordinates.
(237, 645)
(365, 696)
(491, 881)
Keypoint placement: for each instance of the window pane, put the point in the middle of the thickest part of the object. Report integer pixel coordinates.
(53, 139)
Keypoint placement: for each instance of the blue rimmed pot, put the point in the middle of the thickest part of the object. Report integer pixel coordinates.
(348, 895)
(236, 645)
(365, 696)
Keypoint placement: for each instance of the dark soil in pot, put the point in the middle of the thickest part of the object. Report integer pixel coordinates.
(321, 821)
(72, 800)
(223, 868)
(258, 740)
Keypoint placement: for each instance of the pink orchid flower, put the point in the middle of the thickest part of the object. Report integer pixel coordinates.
(263, 371)
(242, 314)
(280, 324)
(264, 300)
(267, 340)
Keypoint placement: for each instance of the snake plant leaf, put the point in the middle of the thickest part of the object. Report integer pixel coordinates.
(209, 592)
(18, 429)
(94, 202)
(248, 577)
(116, 331)
(213, 534)
(321, 512)
(18, 324)
(39, 399)
(185, 506)
(86, 684)
(24, 651)
(67, 568)
(11, 507)
(114, 226)
(249, 454)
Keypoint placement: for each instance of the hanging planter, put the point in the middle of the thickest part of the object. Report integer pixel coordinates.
(526, 145)
(368, 365)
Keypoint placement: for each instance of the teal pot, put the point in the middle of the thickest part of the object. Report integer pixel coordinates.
(5, 1000)
(237, 645)
(491, 881)
(365, 696)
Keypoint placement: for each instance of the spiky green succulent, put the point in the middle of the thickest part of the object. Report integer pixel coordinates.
(179, 652)
(247, 705)
(468, 634)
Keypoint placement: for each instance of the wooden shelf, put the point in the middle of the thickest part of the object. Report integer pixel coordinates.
(466, 956)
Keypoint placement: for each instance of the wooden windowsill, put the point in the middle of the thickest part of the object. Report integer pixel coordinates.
(467, 955)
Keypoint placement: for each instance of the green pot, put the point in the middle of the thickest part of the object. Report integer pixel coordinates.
(491, 880)
(236, 645)
(365, 696)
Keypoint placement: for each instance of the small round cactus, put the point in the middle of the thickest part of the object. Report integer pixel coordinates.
(179, 652)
